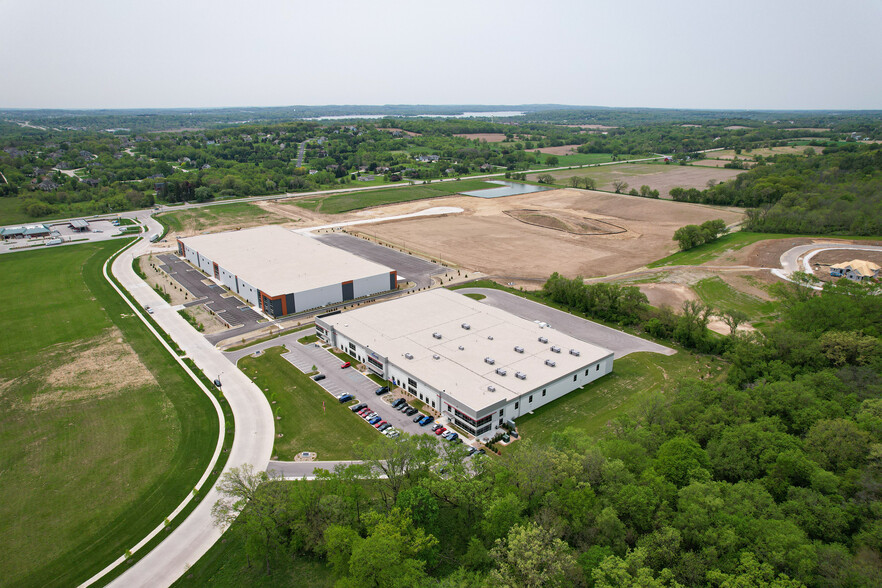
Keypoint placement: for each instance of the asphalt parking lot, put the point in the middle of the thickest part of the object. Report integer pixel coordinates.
(409, 267)
(229, 308)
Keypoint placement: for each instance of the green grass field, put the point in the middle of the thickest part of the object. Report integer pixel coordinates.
(579, 159)
(634, 378)
(718, 294)
(102, 434)
(198, 219)
(305, 426)
(346, 201)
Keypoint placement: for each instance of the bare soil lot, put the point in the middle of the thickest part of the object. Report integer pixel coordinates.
(393, 129)
(486, 239)
(489, 137)
(729, 154)
(562, 150)
(657, 177)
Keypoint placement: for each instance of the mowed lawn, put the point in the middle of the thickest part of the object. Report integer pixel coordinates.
(102, 435)
(634, 379)
(346, 201)
(305, 426)
(205, 217)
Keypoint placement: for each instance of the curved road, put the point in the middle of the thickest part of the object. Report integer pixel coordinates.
(254, 426)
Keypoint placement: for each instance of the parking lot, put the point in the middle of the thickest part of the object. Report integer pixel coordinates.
(230, 309)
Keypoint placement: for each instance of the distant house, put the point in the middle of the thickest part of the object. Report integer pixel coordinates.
(449, 171)
(47, 185)
(486, 167)
(366, 178)
(427, 158)
(206, 166)
(91, 182)
(382, 169)
(24, 231)
(856, 269)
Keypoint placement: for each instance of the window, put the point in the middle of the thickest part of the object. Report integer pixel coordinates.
(574, 377)
(411, 382)
(501, 411)
(375, 362)
(598, 367)
(433, 404)
(531, 398)
(483, 429)
(516, 405)
(543, 393)
(586, 372)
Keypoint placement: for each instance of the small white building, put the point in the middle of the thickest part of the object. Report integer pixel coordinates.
(282, 272)
(476, 364)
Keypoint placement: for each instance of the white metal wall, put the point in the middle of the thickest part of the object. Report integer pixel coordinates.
(318, 297)
(370, 285)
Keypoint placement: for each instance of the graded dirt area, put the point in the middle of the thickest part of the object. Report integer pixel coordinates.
(656, 176)
(489, 137)
(486, 239)
(562, 150)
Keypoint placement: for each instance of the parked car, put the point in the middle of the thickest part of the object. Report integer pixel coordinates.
(398, 402)
(381, 391)
(318, 377)
(345, 365)
(418, 418)
(436, 426)
(384, 426)
(380, 423)
(344, 398)
(427, 420)
(390, 431)
(393, 434)
(364, 411)
(439, 430)
(410, 411)
(481, 452)
(472, 450)
(452, 436)
(403, 408)
(358, 407)
(375, 420)
(217, 382)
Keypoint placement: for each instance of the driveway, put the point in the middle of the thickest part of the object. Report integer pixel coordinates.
(295, 470)
(616, 341)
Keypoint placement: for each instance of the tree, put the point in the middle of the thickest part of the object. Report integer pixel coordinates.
(530, 556)
(837, 444)
(688, 237)
(681, 460)
(545, 179)
(393, 462)
(733, 318)
(619, 186)
(551, 160)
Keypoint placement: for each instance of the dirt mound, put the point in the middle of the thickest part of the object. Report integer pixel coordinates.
(560, 221)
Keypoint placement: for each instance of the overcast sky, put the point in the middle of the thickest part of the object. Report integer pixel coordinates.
(776, 54)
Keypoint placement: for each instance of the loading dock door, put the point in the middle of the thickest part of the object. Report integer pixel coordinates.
(348, 291)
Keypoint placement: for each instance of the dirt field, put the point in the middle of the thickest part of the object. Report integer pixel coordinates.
(592, 127)
(735, 127)
(729, 154)
(562, 150)
(486, 239)
(489, 137)
(715, 163)
(657, 177)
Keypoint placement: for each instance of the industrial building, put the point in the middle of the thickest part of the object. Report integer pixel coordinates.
(474, 363)
(25, 232)
(282, 272)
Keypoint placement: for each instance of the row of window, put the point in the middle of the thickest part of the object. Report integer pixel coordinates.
(376, 362)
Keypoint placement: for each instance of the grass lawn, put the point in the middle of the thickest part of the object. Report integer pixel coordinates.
(346, 201)
(101, 433)
(476, 296)
(582, 159)
(198, 219)
(226, 564)
(330, 432)
(634, 378)
(718, 294)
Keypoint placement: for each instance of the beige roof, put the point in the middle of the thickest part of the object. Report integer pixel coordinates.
(866, 268)
(279, 261)
(407, 326)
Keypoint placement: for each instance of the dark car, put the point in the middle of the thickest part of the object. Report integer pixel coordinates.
(411, 411)
(427, 420)
(375, 420)
(418, 418)
(358, 407)
(344, 398)
(383, 427)
(398, 403)
(403, 407)
(217, 382)
(318, 377)
(381, 391)
(472, 450)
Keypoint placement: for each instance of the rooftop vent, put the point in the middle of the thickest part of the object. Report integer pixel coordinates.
(461, 348)
(408, 355)
(521, 375)
(436, 335)
(501, 371)
(543, 339)
(550, 363)
(436, 356)
(574, 352)
(491, 388)
(489, 360)
(466, 326)
(519, 349)
(490, 337)
(555, 348)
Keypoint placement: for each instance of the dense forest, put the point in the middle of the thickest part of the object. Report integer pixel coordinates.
(772, 477)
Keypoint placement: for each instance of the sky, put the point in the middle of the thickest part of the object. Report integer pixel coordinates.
(769, 54)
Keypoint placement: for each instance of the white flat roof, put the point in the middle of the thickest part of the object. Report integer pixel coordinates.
(279, 261)
(407, 326)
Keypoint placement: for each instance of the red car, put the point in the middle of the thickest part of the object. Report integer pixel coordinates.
(440, 430)
(378, 425)
(345, 365)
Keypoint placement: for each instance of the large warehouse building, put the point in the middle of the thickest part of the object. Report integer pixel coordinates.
(477, 364)
(282, 272)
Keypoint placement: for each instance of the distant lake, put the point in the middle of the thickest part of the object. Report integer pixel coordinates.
(508, 189)
(496, 114)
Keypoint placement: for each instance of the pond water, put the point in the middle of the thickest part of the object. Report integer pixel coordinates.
(508, 189)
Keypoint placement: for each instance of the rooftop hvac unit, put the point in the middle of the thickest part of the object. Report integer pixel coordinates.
(501, 371)
(519, 349)
(466, 326)
(574, 352)
(550, 363)
(491, 389)
(436, 356)
(543, 339)
(555, 348)
(436, 335)
(461, 348)
(521, 375)
(490, 337)
(489, 360)
(408, 355)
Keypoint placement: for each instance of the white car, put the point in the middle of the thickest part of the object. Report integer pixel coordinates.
(392, 433)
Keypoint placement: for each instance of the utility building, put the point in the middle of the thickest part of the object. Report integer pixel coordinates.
(282, 272)
(477, 364)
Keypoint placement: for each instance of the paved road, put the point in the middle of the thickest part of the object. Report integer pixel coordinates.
(291, 470)
(253, 442)
(300, 153)
(616, 341)
(409, 267)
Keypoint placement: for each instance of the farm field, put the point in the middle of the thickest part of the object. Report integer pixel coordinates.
(218, 217)
(730, 154)
(101, 435)
(657, 176)
(489, 137)
(330, 432)
(634, 379)
(346, 201)
(486, 239)
(561, 150)
(582, 159)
